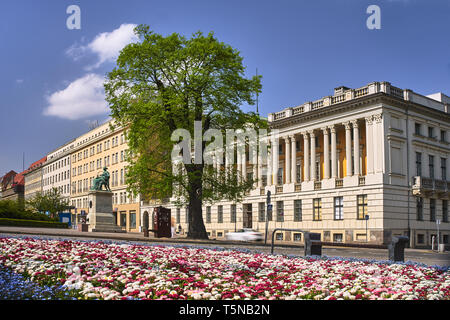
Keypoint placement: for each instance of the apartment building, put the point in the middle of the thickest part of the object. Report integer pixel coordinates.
(99, 148)
(33, 179)
(361, 165)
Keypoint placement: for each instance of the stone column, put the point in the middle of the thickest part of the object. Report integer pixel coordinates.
(293, 160)
(287, 160)
(269, 163)
(275, 163)
(369, 144)
(313, 155)
(306, 155)
(244, 165)
(348, 148)
(378, 143)
(333, 152)
(326, 153)
(356, 146)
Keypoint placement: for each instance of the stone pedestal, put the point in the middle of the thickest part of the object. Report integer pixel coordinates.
(100, 217)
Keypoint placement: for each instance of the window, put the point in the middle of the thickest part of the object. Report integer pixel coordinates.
(298, 146)
(430, 132)
(219, 214)
(280, 176)
(417, 129)
(443, 168)
(233, 213)
(317, 209)
(280, 209)
(431, 166)
(280, 149)
(178, 215)
(297, 210)
(262, 212)
(208, 214)
(337, 237)
(299, 173)
(132, 219)
(444, 210)
(418, 164)
(443, 136)
(123, 218)
(432, 209)
(362, 206)
(420, 238)
(279, 236)
(297, 237)
(338, 208)
(419, 209)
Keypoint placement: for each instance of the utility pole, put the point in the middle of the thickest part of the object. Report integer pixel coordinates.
(269, 209)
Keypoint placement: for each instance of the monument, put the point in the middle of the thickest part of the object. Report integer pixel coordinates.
(100, 217)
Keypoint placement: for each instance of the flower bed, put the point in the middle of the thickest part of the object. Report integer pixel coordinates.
(102, 270)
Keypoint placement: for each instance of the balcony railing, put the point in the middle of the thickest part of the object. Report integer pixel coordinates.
(339, 183)
(317, 185)
(427, 186)
(298, 187)
(362, 181)
(279, 189)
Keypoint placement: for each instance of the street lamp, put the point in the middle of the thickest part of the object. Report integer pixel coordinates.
(366, 217)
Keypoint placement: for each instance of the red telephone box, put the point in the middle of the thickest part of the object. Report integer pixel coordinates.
(162, 222)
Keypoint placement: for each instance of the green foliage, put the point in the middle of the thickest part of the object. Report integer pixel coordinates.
(32, 223)
(164, 83)
(14, 210)
(51, 202)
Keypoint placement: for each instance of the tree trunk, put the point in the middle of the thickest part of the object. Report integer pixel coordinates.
(197, 228)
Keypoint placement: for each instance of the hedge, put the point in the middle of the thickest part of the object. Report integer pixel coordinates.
(32, 223)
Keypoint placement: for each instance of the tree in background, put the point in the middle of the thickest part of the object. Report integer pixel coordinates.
(51, 202)
(164, 83)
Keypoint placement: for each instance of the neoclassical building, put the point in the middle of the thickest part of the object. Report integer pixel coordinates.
(360, 165)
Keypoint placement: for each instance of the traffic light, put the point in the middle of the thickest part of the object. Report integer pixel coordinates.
(268, 196)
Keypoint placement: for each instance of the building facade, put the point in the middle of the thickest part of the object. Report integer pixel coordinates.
(33, 179)
(56, 170)
(362, 165)
(99, 148)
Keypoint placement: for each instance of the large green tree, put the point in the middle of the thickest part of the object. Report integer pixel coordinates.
(50, 201)
(164, 83)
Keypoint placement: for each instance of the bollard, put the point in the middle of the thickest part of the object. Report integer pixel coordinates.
(397, 248)
(313, 245)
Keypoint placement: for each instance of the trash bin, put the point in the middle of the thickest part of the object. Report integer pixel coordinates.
(441, 247)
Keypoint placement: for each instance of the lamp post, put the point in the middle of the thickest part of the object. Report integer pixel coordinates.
(367, 235)
(269, 208)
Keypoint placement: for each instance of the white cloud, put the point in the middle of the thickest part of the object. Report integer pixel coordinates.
(106, 45)
(84, 97)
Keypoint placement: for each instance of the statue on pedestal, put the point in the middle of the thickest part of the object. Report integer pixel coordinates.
(100, 181)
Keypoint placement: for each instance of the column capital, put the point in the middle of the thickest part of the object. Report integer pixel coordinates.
(332, 128)
(354, 123)
(292, 137)
(347, 125)
(369, 119)
(311, 133)
(377, 117)
(324, 130)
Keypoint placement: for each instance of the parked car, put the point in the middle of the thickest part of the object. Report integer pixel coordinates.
(245, 234)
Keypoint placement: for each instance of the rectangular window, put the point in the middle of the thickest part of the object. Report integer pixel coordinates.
(420, 238)
(444, 169)
(279, 236)
(297, 237)
(262, 212)
(443, 136)
(417, 129)
(338, 208)
(418, 164)
(280, 211)
(299, 173)
(430, 132)
(233, 213)
(178, 216)
(419, 209)
(432, 209)
(123, 218)
(362, 206)
(317, 209)
(337, 237)
(444, 210)
(280, 176)
(431, 166)
(219, 214)
(297, 210)
(208, 214)
(132, 219)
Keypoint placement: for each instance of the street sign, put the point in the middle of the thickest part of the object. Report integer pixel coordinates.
(269, 207)
(438, 221)
(367, 217)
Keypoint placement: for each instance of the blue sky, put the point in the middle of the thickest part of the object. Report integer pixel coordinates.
(303, 49)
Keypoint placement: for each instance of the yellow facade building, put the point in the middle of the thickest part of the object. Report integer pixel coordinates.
(99, 148)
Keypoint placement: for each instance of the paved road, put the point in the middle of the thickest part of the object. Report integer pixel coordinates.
(416, 255)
